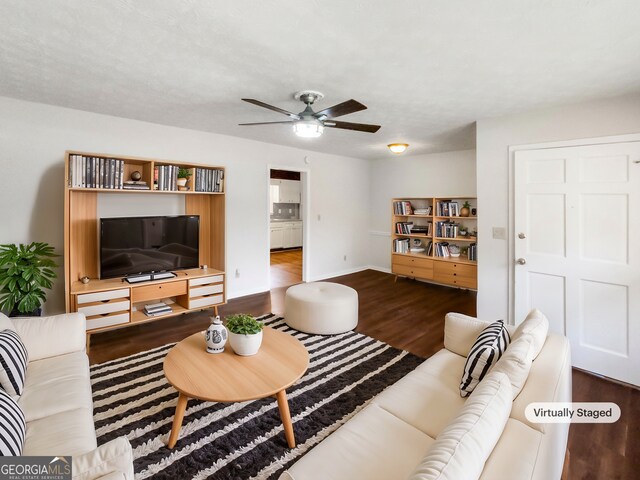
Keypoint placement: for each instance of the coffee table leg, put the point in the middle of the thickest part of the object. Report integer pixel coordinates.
(177, 420)
(283, 406)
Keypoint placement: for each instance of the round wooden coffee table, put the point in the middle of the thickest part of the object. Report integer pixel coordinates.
(227, 377)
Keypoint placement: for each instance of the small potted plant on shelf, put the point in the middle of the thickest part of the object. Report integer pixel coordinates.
(183, 177)
(245, 334)
(462, 231)
(25, 272)
(466, 209)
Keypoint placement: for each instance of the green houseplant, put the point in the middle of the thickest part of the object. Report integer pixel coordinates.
(183, 176)
(25, 272)
(466, 209)
(245, 334)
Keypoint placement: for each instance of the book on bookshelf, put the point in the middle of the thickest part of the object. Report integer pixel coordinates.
(95, 172)
(403, 208)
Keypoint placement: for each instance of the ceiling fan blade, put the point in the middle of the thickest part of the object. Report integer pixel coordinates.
(344, 108)
(360, 127)
(265, 123)
(271, 107)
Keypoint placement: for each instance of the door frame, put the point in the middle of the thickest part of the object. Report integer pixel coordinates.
(305, 215)
(632, 137)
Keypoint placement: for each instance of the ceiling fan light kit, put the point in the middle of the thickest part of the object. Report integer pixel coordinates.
(310, 124)
(308, 128)
(398, 148)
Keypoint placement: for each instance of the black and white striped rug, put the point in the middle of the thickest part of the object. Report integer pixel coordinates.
(131, 397)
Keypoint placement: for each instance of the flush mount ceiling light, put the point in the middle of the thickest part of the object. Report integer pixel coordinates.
(310, 124)
(398, 148)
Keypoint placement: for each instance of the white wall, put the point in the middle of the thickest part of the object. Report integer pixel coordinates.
(438, 174)
(34, 137)
(614, 116)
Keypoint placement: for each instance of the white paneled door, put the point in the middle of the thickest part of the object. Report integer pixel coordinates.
(577, 250)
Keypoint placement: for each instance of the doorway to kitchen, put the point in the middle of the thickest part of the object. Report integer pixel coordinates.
(286, 227)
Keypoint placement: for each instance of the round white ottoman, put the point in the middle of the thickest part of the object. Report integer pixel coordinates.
(322, 308)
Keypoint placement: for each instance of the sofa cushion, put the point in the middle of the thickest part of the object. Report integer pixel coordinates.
(462, 448)
(13, 362)
(515, 363)
(428, 397)
(113, 459)
(535, 324)
(516, 452)
(12, 426)
(374, 444)
(6, 323)
(461, 331)
(48, 398)
(56, 368)
(65, 433)
(485, 352)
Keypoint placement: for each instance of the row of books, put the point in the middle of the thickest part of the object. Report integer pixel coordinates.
(447, 229)
(402, 207)
(209, 180)
(401, 245)
(404, 228)
(157, 309)
(472, 252)
(447, 208)
(95, 172)
(165, 177)
(442, 249)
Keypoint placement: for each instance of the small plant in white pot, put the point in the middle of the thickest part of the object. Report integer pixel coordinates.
(245, 334)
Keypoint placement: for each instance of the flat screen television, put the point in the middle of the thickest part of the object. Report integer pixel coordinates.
(132, 245)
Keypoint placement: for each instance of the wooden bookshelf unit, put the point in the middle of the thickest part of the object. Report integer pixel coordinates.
(112, 303)
(439, 226)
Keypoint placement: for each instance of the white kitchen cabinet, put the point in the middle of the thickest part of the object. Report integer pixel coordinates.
(296, 234)
(286, 234)
(277, 236)
(285, 191)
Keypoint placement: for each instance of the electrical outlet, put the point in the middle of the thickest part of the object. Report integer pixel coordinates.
(345, 258)
(499, 233)
(237, 273)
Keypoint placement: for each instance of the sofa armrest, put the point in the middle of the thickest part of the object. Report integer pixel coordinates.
(460, 332)
(50, 336)
(112, 460)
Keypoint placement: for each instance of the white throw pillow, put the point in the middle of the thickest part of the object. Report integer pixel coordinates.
(464, 445)
(461, 331)
(13, 362)
(6, 323)
(12, 427)
(536, 325)
(516, 361)
(485, 352)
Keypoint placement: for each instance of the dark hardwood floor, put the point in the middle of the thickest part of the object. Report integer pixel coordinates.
(410, 315)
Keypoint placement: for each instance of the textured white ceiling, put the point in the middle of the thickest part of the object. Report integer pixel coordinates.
(427, 69)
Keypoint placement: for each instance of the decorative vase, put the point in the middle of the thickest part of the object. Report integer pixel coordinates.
(464, 212)
(245, 345)
(216, 336)
(182, 182)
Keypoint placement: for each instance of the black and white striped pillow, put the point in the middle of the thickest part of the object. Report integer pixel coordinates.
(13, 362)
(12, 426)
(485, 352)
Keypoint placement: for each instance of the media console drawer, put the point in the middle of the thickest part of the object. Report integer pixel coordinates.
(161, 290)
(109, 320)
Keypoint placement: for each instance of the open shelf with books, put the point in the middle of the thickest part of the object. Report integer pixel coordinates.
(434, 239)
(110, 303)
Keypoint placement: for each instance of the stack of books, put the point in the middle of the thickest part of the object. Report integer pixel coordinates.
(135, 185)
(156, 309)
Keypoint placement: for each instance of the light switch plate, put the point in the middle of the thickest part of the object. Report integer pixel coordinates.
(499, 233)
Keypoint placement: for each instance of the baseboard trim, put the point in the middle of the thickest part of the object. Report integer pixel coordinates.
(317, 278)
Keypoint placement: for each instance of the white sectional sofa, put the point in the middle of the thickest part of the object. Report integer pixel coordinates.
(391, 437)
(57, 401)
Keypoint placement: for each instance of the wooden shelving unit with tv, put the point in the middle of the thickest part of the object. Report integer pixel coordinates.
(113, 303)
(429, 263)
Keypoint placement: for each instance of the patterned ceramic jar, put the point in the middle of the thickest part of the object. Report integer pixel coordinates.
(216, 336)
